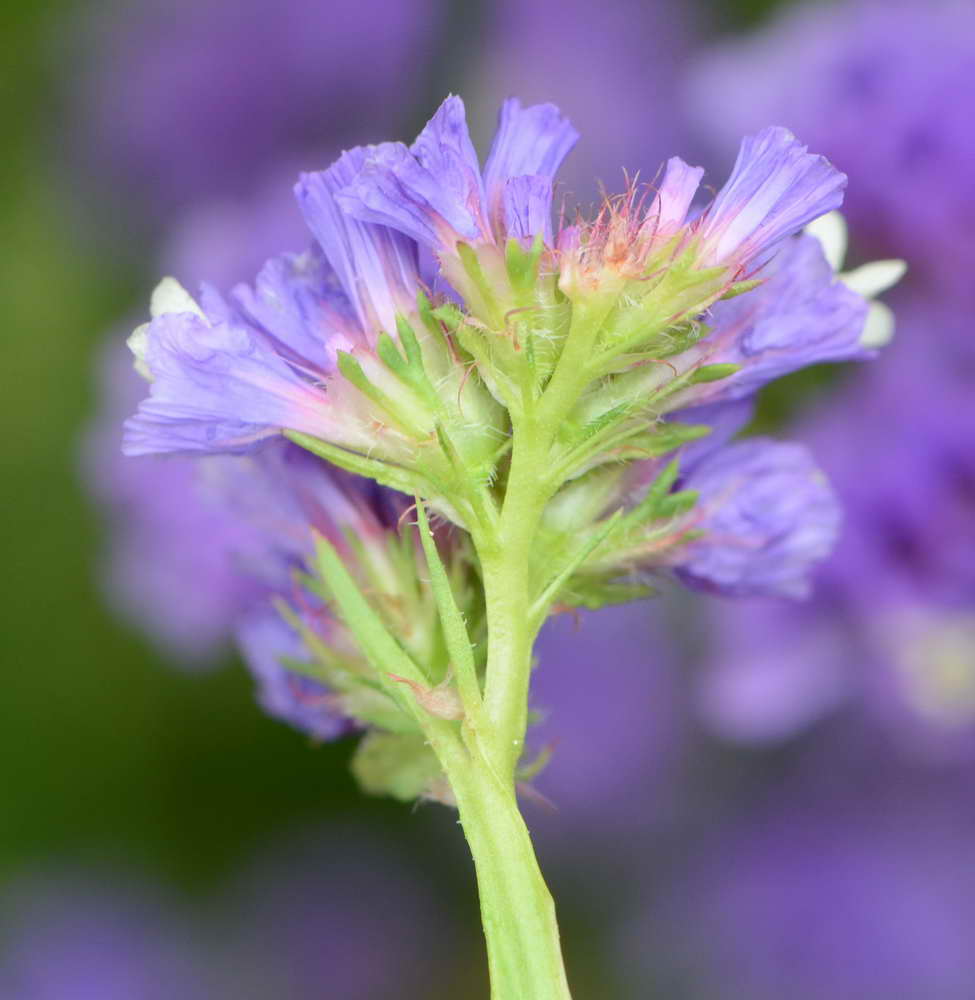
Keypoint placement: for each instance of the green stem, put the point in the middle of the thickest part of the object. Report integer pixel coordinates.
(517, 911)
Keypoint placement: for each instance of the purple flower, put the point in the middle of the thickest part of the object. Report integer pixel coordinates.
(801, 315)
(174, 562)
(218, 386)
(767, 515)
(434, 191)
(885, 90)
(776, 187)
(528, 150)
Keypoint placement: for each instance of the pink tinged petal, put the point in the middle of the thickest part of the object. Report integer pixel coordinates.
(776, 187)
(219, 388)
(673, 199)
(376, 266)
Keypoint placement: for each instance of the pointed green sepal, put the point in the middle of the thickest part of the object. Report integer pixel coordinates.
(712, 373)
(741, 287)
(452, 621)
(393, 476)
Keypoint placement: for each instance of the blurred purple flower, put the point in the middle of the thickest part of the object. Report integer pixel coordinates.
(239, 86)
(766, 515)
(850, 896)
(885, 89)
(75, 938)
(173, 559)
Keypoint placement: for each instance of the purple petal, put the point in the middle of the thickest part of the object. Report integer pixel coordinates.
(376, 266)
(776, 187)
(529, 141)
(432, 191)
(218, 388)
(296, 301)
(674, 196)
(802, 315)
(527, 207)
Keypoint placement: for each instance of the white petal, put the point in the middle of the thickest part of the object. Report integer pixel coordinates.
(875, 277)
(137, 343)
(169, 296)
(879, 327)
(830, 230)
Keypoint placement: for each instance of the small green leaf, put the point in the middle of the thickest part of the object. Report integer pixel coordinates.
(675, 504)
(595, 594)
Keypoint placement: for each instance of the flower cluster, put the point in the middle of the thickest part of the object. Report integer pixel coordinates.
(443, 339)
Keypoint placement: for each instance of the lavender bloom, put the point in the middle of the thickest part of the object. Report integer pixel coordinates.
(858, 80)
(434, 191)
(76, 939)
(776, 187)
(151, 83)
(377, 268)
(767, 515)
(229, 375)
(802, 315)
(218, 386)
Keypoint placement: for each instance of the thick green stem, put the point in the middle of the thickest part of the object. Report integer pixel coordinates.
(517, 911)
(505, 567)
